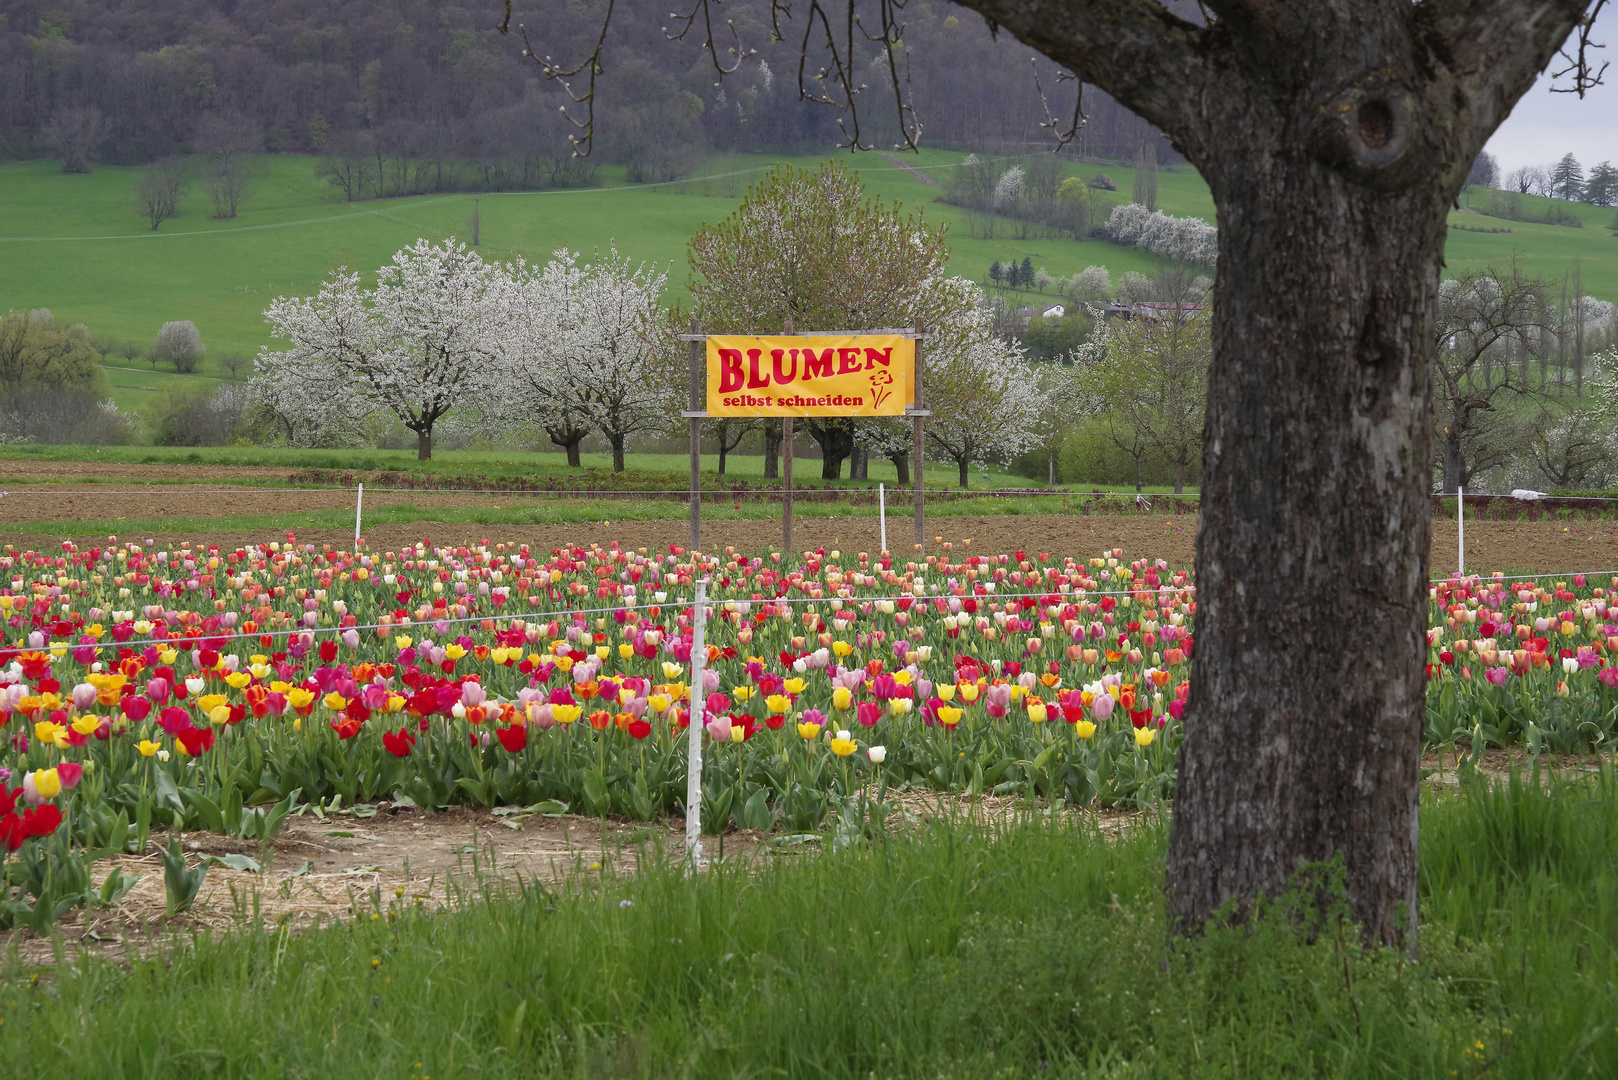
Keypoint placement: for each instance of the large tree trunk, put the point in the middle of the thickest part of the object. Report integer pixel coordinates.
(836, 441)
(901, 466)
(1317, 464)
(964, 463)
(424, 444)
(569, 438)
(617, 441)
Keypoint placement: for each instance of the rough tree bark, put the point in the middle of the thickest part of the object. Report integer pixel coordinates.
(1334, 136)
(424, 443)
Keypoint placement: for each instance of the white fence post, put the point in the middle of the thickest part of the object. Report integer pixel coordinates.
(882, 513)
(693, 766)
(1460, 524)
(359, 504)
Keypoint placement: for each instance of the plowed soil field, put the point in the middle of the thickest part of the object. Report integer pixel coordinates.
(50, 491)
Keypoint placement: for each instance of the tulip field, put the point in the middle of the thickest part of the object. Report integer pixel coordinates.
(205, 688)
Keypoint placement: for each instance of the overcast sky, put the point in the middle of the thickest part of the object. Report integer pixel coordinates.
(1544, 126)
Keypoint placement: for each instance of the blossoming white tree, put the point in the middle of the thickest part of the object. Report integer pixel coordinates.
(586, 347)
(418, 345)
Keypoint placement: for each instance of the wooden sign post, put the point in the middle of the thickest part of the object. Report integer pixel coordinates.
(852, 373)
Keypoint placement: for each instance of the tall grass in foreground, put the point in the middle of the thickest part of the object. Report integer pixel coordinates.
(960, 952)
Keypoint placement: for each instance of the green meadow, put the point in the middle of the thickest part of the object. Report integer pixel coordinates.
(79, 246)
(1036, 949)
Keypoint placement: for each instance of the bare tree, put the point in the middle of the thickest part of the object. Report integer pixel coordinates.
(73, 135)
(228, 137)
(349, 168)
(1480, 319)
(235, 363)
(160, 189)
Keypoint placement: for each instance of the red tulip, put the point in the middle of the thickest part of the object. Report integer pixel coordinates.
(398, 743)
(514, 738)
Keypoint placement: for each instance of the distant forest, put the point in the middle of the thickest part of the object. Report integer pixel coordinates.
(436, 98)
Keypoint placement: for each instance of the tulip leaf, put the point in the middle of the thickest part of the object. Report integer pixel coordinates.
(235, 861)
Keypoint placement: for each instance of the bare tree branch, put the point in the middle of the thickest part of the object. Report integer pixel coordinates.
(1071, 132)
(1578, 62)
(561, 73)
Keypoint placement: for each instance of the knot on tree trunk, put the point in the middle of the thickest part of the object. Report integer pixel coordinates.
(1368, 129)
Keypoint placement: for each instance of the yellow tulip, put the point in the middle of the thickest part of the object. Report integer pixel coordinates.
(167, 656)
(87, 724)
(396, 703)
(794, 686)
(47, 783)
(403, 641)
(903, 678)
(47, 732)
(899, 706)
(843, 747)
(778, 703)
(945, 691)
(566, 714)
(208, 702)
(1036, 710)
(742, 693)
(455, 650)
(671, 670)
(808, 731)
(602, 652)
(948, 715)
(842, 698)
(970, 691)
(147, 747)
(1084, 729)
(238, 679)
(625, 652)
(841, 648)
(333, 701)
(658, 703)
(219, 715)
(1144, 736)
(564, 664)
(299, 697)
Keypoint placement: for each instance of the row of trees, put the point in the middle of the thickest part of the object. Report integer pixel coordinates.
(436, 90)
(1563, 179)
(51, 387)
(569, 348)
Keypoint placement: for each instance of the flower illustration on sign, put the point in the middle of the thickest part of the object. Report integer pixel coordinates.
(880, 379)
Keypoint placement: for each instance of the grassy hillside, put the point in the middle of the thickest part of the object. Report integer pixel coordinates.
(78, 245)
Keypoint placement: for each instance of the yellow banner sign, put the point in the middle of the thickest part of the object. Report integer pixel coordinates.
(818, 375)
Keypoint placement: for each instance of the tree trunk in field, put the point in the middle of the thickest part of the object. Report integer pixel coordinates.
(964, 464)
(1317, 461)
(901, 467)
(424, 444)
(568, 438)
(857, 467)
(617, 441)
(772, 449)
(724, 452)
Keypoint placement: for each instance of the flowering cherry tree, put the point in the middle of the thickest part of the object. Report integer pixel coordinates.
(416, 346)
(585, 347)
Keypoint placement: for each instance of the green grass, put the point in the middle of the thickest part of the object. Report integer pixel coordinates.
(959, 951)
(647, 471)
(293, 230)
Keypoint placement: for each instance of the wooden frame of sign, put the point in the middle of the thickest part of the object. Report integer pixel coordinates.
(697, 413)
